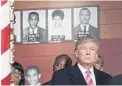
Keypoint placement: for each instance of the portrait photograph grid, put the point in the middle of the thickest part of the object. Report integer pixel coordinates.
(56, 24)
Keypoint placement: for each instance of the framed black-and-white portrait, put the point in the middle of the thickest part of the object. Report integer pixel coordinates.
(34, 26)
(85, 22)
(59, 24)
(17, 26)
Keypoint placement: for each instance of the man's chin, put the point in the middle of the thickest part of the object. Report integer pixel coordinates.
(33, 27)
(32, 84)
(88, 63)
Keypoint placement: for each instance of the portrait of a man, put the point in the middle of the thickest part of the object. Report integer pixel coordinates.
(34, 33)
(88, 22)
(58, 30)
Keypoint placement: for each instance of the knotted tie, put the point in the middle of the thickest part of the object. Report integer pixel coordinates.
(89, 79)
(32, 31)
(84, 29)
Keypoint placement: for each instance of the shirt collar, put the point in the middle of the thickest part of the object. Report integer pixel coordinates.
(83, 70)
(82, 27)
(35, 30)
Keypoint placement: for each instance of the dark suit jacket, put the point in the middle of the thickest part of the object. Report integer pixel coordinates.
(42, 33)
(116, 80)
(73, 76)
(92, 30)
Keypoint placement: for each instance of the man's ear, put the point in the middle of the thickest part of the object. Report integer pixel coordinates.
(39, 75)
(76, 53)
(96, 57)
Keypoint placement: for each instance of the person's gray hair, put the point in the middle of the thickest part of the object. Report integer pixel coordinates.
(85, 39)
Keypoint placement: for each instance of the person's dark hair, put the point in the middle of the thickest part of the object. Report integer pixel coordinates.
(58, 13)
(68, 61)
(33, 67)
(19, 67)
(84, 9)
(33, 13)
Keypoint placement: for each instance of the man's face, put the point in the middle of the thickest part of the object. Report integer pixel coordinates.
(33, 21)
(57, 21)
(98, 64)
(86, 53)
(59, 64)
(33, 77)
(84, 17)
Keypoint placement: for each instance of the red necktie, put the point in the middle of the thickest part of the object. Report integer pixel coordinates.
(89, 79)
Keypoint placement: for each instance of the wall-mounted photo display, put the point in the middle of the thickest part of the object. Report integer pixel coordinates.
(59, 24)
(85, 22)
(17, 26)
(56, 24)
(34, 26)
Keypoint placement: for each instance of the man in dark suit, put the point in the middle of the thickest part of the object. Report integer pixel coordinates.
(83, 72)
(116, 80)
(34, 33)
(61, 61)
(85, 28)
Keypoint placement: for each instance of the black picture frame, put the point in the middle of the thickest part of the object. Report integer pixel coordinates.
(69, 22)
(59, 24)
(93, 28)
(40, 31)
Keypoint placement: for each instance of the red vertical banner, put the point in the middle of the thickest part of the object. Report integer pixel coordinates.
(5, 68)
(3, 2)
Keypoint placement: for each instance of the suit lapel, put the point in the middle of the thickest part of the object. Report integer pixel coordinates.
(77, 76)
(79, 29)
(96, 72)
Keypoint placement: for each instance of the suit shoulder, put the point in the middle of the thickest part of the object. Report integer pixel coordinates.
(62, 71)
(118, 76)
(92, 26)
(116, 80)
(105, 74)
(77, 27)
(41, 28)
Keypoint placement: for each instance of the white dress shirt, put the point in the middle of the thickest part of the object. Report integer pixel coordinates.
(83, 71)
(82, 27)
(31, 30)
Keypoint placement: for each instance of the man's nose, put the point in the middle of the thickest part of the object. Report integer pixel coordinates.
(33, 21)
(31, 78)
(87, 52)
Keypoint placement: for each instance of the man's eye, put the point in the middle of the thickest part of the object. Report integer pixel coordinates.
(35, 74)
(57, 65)
(92, 49)
(83, 48)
